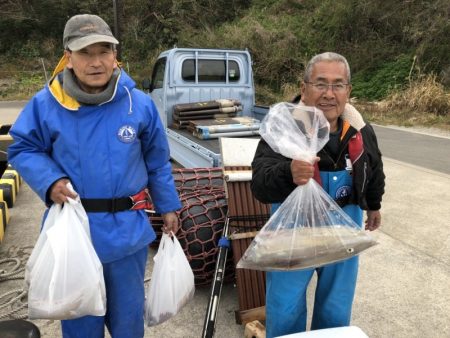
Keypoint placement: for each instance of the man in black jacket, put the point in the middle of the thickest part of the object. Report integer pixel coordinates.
(351, 171)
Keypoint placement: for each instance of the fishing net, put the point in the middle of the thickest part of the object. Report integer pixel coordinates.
(202, 218)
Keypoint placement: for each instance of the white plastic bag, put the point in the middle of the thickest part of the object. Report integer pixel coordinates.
(64, 274)
(49, 222)
(172, 283)
(309, 229)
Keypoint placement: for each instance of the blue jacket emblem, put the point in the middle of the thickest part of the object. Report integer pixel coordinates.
(126, 134)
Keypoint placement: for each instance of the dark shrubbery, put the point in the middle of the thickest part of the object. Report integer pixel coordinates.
(377, 82)
(379, 38)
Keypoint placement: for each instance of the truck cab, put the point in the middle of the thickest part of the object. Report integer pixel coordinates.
(190, 75)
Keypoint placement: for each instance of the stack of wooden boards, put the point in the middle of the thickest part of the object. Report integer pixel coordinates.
(213, 119)
(10, 183)
(224, 127)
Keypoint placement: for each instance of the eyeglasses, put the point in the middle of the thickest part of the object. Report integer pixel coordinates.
(323, 87)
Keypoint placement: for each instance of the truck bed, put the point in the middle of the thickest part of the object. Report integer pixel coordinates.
(192, 152)
(212, 145)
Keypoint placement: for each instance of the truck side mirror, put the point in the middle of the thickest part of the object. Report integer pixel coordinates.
(146, 84)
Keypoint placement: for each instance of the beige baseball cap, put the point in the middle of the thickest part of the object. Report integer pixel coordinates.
(86, 29)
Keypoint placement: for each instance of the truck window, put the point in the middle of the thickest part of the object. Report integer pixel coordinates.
(210, 71)
(158, 73)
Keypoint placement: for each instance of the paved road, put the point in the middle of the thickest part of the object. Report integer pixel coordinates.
(427, 151)
(9, 111)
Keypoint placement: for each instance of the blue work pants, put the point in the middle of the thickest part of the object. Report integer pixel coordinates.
(286, 298)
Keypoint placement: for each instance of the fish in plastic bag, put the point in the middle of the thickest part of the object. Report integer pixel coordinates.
(309, 229)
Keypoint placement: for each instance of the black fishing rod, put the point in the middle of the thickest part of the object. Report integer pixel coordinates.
(209, 325)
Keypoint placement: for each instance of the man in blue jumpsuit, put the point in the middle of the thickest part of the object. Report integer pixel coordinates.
(90, 126)
(351, 171)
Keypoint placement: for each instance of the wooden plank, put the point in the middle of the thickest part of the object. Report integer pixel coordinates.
(247, 316)
(242, 235)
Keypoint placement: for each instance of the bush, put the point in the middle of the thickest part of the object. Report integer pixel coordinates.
(377, 83)
(425, 95)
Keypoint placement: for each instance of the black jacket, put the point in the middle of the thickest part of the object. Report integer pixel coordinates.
(272, 179)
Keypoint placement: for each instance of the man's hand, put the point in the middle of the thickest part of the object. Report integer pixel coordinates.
(373, 220)
(59, 191)
(170, 222)
(302, 171)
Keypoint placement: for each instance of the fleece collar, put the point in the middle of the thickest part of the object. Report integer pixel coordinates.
(352, 116)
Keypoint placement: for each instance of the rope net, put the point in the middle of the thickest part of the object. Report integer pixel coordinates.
(202, 218)
(13, 302)
(188, 180)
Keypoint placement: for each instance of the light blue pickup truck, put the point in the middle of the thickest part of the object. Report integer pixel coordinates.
(192, 75)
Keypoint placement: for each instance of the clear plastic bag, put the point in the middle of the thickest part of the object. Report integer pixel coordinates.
(309, 229)
(63, 273)
(172, 283)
